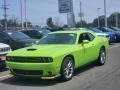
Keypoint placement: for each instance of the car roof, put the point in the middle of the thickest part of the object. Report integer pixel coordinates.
(73, 31)
(9, 31)
(29, 30)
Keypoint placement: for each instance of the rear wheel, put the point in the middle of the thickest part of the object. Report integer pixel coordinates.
(67, 69)
(102, 57)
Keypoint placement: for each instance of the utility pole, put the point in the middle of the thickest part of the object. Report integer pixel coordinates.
(25, 14)
(105, 13)
(98, 13)
(116, 19)
(5, 14)
(81, 13)
(21, 9)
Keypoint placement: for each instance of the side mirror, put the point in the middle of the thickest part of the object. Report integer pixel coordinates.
(85, 41)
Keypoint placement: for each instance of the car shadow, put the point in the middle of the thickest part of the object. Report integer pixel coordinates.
(84, 68)
(3, 69)
(42, 83)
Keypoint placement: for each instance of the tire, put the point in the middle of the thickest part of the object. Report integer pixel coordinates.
(102, 57)
(67, 69)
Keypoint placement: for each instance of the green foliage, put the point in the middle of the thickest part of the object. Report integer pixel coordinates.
(81, 24)
(50, 22)
(112, 19)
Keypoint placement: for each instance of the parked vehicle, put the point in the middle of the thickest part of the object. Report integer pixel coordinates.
(115, 28)
(117, 31)
(100, 33)
(16, 39)
(44, 31)
(4, 49)
(58, 54)
(35, 34)
(113, 36)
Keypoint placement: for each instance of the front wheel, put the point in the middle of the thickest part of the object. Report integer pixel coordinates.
(102, 57)
(67, 69)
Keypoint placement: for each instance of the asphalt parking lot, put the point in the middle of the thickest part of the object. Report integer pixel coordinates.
(91, 77)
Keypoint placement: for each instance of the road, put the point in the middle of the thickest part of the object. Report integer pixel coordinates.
(91, 77)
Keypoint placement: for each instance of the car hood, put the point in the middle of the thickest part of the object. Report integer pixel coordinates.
(43, 50)
(110, 33)
(102, 34)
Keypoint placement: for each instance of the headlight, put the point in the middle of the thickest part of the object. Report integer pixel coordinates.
(47, 59)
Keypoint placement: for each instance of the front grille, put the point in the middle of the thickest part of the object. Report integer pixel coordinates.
(6, 49)
(27, 72)
(30, 59)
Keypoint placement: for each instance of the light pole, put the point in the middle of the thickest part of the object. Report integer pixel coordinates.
(25, 14)
(5, 14)
(81, 13)
(105, 12)
(98, 13)
(116, 19)
(21, 12)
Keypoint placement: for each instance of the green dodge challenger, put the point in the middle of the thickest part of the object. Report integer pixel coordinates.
(58, 54)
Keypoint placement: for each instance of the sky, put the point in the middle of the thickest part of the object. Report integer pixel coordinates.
(39, 10)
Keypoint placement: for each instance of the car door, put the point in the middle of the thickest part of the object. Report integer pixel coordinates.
(89, 47)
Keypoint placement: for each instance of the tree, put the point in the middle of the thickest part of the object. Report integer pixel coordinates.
(65, 26)
(112, 19)
(50, 22)
(102, 21)
(13, 22)
(78, 24)
(29, 24)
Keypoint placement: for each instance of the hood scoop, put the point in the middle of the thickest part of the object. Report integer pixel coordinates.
(31, 49)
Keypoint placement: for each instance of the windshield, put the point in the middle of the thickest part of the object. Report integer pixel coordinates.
(31, 32)
(103, 29)
(18, 35)
(59, 38)
(44, 31)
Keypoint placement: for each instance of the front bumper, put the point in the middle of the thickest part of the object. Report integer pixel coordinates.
(43, 70)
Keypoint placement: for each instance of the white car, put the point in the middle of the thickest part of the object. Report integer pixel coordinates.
(4, 49)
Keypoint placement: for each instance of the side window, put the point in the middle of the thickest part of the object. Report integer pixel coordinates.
(91, 37)
(82, 37)
(86, 36)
